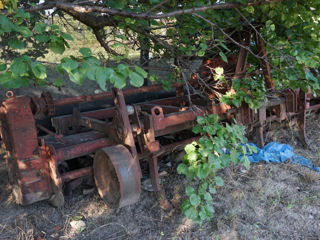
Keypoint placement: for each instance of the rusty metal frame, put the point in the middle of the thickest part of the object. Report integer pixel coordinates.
(35, 152)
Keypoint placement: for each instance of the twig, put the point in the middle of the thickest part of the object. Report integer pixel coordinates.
(156, 6)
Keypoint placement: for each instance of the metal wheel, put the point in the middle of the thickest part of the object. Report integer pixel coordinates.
(117, 176)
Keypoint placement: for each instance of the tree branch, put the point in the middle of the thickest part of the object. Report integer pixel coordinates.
(117, 12)
(103, 43)
(95, 22)
(156, 6)
(41, 7)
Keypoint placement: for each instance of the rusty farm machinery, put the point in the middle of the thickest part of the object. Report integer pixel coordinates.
(48, 147)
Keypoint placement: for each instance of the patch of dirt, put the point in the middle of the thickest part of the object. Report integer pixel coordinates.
(267, 202)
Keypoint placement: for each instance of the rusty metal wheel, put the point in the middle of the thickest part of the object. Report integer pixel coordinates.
(117, 176)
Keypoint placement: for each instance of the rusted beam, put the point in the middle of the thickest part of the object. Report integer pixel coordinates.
(81, 149)
(76, 174)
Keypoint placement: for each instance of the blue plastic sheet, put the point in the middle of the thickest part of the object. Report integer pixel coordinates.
(278, 153)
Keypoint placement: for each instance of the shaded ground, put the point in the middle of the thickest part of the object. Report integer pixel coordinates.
(267, 202)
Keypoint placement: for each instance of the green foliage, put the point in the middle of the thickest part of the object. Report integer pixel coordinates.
(23, 69)
(290, 28)
(88, 66)
(248, 90)
(219, 146)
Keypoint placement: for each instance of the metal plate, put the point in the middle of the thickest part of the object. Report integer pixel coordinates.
(117, 176)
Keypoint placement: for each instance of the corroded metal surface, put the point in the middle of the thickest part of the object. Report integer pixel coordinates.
(42, 159)
(117, 176)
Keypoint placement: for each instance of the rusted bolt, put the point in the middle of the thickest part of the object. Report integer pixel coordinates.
(9, 94)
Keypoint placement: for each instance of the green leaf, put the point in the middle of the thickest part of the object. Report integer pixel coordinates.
(213, 118)
(185, 205)
(136, 79)
(191, 213)
(214, 159)
(101, 77)
(6, 24)
(223, 56)
(202, 170)
(40, 27)
(192, 157)
(16, 44)
(123, 69)
(249, 9)
(208, 197)
(201, 120)
(310, 76)
(58, 82)
(219, 181)
(234, 155)
(140, 71)
(194, 200)
(42, 38)
(201, 53)
(203, 187)
(91, 73)
(197, 129)
(270, 26)
(219, 70)
(190, 173)
(22, 14)
(69, 64)
(25, 32)
(39, 70)
(182, 168)
(212, 189)
(190, 148)
(86, 52)
(59, 69)
(190, 190)
(224, 46)
(291, 74)
(93, 61)
(3, 66)
(77, 76)
(54, 27)
(245, 161)
(109, 73)
(210, 129)
(57, 47)
(118, 80)
(7, 80)
(209, 208)
(19, 67)
(67, 36)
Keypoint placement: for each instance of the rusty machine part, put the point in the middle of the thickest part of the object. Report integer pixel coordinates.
(42, 159)
(117, 176)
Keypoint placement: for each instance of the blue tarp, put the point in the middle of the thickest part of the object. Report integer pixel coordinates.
(278, 153)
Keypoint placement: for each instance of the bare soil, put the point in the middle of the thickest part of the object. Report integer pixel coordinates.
(267, 202)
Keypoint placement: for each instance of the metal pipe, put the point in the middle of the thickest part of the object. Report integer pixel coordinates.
(76, 174)
(81, 149)
(101, 96)
(53, 134)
